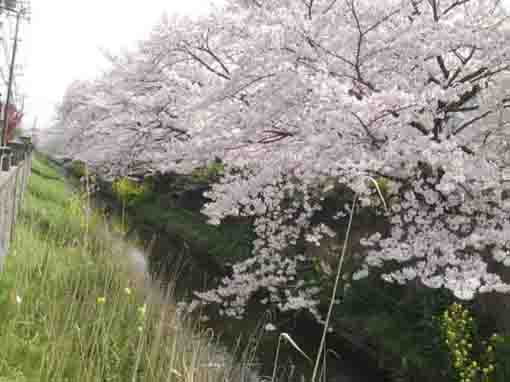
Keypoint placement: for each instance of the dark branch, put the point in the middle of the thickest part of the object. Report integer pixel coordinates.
(473, 75)
(419, 126)
(206, 65)
(471, 121)
(375, 141)
(442, 65)
(454, 5)
(216, 58)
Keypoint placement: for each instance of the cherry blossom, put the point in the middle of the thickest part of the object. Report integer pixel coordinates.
(300, 98)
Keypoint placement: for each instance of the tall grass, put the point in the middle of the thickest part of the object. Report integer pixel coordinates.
(73, 309)
(337, 277)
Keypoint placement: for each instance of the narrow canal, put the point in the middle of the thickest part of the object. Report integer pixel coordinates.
(168, 255)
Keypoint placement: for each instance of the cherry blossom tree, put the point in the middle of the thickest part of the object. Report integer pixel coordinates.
(296, 97)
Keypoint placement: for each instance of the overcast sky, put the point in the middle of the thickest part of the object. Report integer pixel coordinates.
(62, 43)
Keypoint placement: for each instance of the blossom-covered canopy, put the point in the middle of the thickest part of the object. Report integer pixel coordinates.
(297, 96)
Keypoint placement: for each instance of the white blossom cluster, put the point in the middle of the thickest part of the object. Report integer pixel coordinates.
(296, 97)
(444, 238)
(275, 276)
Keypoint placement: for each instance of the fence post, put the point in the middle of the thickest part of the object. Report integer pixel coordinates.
(17, 160)
(5, 161)
(5, 158)
(28, 159)
(18, 149)
(26, 140)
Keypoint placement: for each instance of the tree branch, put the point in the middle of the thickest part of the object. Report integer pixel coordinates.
(375, 141)
(471, 121)
(442, 65)
(454, 5)
(205, 64)
(419, 126)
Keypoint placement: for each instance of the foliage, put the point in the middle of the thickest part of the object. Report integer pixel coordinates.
(209, 173)
(459, 333)
(128, 191)
(289, 94)
(502, 358)
(400, 325)
(226, 243)
(78, 168)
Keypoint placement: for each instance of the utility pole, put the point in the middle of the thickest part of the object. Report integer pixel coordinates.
(22, 10)
(11, 78)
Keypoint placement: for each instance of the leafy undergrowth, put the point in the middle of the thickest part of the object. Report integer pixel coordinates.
(406, 327)
(72, 308)
(401, 325)
(223, 243)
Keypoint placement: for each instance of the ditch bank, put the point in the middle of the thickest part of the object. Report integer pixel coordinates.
(190, 258)
(379, 330)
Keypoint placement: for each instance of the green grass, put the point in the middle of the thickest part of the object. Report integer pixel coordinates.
(224, 243)
(72, 308)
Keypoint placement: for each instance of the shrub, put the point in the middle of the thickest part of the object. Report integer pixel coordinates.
(128, 191)
(472, 360)
(208, 173)
(78, 168)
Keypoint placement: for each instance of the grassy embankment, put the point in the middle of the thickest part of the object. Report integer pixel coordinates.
(72, 309)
